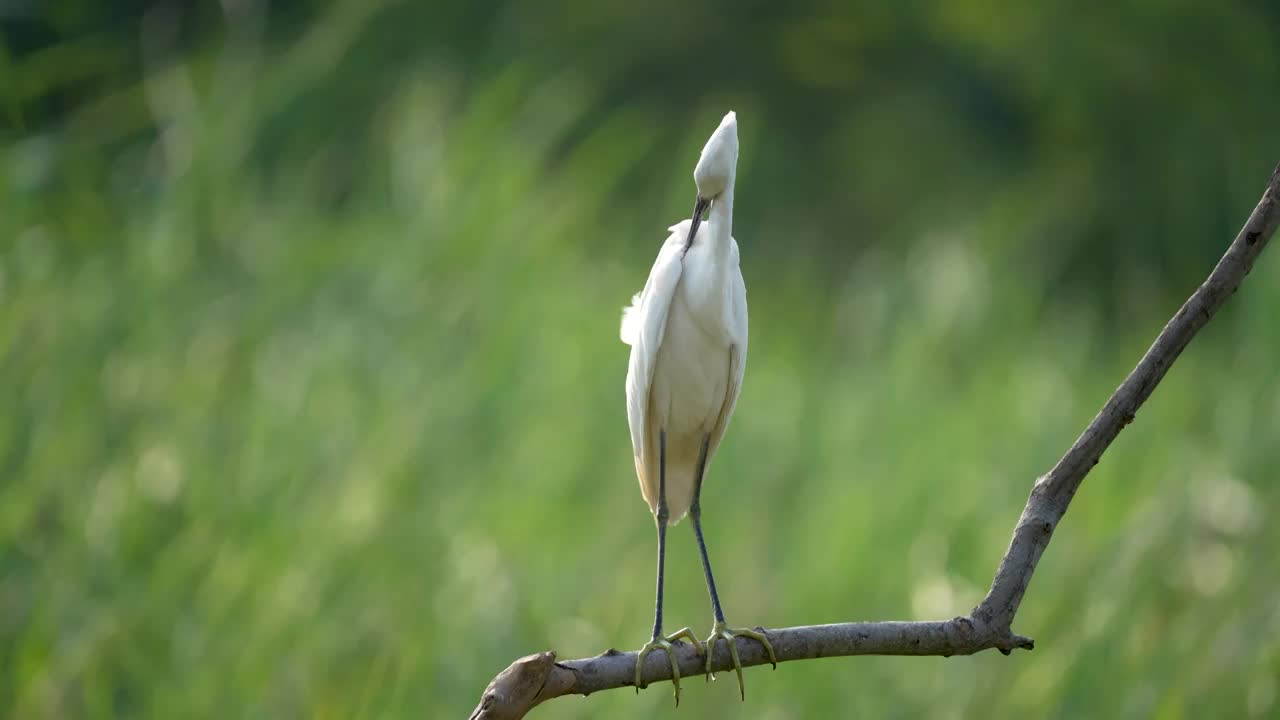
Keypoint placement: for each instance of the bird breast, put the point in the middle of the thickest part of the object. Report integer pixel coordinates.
(690, 381)
(706, 286)
(692, 371)
(691, 374)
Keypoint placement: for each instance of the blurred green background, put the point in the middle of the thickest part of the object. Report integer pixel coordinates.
(314, 395)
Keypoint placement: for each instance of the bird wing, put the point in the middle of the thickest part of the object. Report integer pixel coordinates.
(737, 361)
(643, 326)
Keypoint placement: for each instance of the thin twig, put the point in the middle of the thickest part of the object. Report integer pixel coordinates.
(536, 678)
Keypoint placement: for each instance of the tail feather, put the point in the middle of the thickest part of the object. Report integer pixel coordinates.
(631, 320)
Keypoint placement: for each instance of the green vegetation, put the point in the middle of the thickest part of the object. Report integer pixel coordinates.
(313, 390)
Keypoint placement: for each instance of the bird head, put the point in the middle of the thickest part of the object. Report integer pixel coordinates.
(719, 158)
(714, 171)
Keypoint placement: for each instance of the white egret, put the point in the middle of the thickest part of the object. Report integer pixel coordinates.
(688, 335)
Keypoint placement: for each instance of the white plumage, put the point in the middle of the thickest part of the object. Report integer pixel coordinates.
(688, 335)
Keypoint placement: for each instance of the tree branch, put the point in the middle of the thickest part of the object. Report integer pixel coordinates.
(536, 678)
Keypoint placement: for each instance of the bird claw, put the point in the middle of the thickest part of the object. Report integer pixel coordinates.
(722, 631)
(666, 645)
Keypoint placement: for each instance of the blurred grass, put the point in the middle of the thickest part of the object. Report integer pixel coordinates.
(296, 430)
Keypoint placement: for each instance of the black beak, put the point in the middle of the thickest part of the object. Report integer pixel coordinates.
(699, 208)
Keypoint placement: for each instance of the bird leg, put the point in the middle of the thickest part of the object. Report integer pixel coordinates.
(720, 630)
(659, 642)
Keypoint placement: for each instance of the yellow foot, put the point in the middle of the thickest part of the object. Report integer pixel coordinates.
(665, 645)
(721, 631)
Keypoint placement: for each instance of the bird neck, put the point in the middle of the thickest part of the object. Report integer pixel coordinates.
(721, 218)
